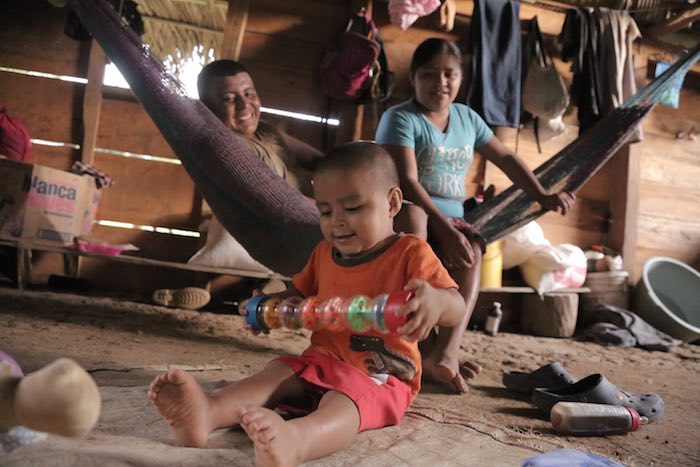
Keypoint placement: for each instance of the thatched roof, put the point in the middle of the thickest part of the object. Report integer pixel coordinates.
(172, 25)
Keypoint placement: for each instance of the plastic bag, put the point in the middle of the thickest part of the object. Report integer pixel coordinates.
(555, 267)
(522, 243)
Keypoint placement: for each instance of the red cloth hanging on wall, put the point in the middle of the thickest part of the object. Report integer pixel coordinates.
(14, 138)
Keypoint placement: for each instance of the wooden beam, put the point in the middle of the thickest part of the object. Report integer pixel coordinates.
(92, 106)
(92, 101)
(624, 206)
(234, 30)
(674, 24)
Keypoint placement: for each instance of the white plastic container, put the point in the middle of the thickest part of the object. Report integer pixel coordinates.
(607, 288)
(583, 419)
(493, 321)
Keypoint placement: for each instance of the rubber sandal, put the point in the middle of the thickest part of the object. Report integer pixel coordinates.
(189, 298)
(597, 389)
(549, 376)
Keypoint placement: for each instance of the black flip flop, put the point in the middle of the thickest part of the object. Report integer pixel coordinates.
(596, 389)
(549, 376)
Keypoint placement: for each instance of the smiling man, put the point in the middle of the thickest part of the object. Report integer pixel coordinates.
(228, 90)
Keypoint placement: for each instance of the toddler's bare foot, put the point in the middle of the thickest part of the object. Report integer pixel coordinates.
(275, 440)
(450, 373)
(181, 401)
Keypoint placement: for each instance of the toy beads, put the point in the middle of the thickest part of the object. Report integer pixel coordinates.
(359, 313)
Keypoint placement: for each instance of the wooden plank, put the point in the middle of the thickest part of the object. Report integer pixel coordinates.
(529, 290)
(283, 52)
(234, 30)
(24, 266)
(147, 193)
(92, 102)
(624, 206)
(296, 20)
(659, 30)
(125, 126)
(32, 38)
(152, 245)
(44, 105)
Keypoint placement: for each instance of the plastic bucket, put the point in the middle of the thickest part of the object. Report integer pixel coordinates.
(668, 297)
(492, 265)
(607, 288)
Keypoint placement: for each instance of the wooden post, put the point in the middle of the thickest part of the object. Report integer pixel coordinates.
(92, 101)
(92, 106)
(234, 30)
(624, 206)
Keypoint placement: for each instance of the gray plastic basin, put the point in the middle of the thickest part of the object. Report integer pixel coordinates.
(668, 297)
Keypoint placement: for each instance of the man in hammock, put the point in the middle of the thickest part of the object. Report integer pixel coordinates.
(228, 90)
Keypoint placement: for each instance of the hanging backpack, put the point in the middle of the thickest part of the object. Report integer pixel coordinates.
(381, 79)
(347, 67)
(544, 91)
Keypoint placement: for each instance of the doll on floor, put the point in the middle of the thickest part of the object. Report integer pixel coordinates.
(60, 398)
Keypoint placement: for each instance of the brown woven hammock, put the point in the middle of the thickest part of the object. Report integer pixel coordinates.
(274, 222)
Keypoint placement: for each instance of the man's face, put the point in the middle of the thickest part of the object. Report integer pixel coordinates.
(234, 100)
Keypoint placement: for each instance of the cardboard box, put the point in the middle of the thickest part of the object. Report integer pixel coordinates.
(45, 205)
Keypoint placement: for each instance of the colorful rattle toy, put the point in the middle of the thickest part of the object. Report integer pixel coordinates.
(359, 313)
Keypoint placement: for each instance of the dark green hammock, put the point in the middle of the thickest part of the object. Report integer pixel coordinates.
(274, 222)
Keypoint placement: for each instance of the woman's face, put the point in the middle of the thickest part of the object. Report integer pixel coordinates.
(436, 83)
(234, 100)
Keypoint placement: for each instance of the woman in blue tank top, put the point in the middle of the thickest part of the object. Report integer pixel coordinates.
(432, 139)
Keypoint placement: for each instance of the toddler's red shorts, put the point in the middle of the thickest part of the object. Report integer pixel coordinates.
(381, 400)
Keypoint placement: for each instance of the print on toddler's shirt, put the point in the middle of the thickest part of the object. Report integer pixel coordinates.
(383, 360)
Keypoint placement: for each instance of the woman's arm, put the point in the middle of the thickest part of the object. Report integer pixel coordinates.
(499, 154)
(455, 248)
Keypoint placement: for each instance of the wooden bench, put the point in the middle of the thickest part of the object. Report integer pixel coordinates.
(516, 301)
(71, 256)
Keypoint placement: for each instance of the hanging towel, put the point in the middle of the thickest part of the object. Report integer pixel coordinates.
(598, 43)
(494, 86)
(404, 13)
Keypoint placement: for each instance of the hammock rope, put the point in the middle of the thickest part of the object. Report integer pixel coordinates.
(274, 222)
(576, 163)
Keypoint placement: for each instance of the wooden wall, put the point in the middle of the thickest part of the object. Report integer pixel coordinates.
(283, 45)
(667, 209)
(146, 192)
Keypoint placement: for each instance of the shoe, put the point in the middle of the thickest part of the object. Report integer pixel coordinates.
(549, 376)
(189, 298)
(596, 389)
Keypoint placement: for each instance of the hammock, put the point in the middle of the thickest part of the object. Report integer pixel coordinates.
(274, 222)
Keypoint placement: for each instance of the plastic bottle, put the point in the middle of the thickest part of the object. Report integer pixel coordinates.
(493, 321)
(359, 313)
(583, 419)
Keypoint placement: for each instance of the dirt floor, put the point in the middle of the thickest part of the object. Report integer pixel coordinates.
(124, 344)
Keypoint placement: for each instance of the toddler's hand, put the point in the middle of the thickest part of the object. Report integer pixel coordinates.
(243, 311)
(420, 310)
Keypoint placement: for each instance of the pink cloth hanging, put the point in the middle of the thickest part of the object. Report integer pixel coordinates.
(404, 13)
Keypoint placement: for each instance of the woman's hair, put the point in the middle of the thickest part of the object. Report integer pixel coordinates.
(432, 47)
(217, 68)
